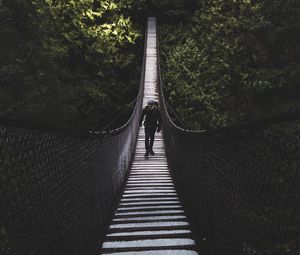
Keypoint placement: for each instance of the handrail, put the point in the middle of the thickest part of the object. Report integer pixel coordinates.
(58, 185)
(238, 183)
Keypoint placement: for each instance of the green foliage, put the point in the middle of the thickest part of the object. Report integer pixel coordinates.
(238, 59)
(70, 55)
(226, 61)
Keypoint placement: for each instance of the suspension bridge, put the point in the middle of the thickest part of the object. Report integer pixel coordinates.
(231, 190)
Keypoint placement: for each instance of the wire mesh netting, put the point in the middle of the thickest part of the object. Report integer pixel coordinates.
(58, 186)
(239, 185)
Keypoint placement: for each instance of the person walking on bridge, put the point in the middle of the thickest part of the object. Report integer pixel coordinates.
(152, 123)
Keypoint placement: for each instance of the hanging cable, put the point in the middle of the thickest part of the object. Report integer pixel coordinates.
(118, 116)
(176, 115)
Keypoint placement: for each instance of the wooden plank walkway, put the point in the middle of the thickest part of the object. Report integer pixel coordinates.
(149, 219)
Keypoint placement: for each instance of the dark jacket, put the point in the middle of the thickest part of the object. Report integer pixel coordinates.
(152, 118)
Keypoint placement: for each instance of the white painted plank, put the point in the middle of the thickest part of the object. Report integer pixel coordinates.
(156, 252)
(150, 224)
(151, 203)
(153, 218)
(150, 243)
(152, 232)
(160, 212)
(149, 207)
(150, 199)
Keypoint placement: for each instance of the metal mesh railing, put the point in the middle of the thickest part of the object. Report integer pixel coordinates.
(58, 187)
(239, 185)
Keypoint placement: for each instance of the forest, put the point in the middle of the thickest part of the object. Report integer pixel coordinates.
(78, 63)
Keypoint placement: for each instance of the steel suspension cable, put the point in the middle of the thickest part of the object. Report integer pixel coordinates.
(240, 184)
(58, 185)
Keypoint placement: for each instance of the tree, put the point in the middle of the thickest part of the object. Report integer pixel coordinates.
(238, 54)
(71, 56)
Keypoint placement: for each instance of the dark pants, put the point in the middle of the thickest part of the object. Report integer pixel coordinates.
(149, 139)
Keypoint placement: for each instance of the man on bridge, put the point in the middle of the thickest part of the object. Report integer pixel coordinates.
(152, 123)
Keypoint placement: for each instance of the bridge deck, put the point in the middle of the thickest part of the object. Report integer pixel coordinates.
(149, 218)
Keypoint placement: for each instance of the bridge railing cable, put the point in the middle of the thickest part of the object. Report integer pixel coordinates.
(240, 184)
(57, 186)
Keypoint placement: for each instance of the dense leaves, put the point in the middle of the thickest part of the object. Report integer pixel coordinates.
(223, 61)
(68, 62)
(235, 60)
(77, 63)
